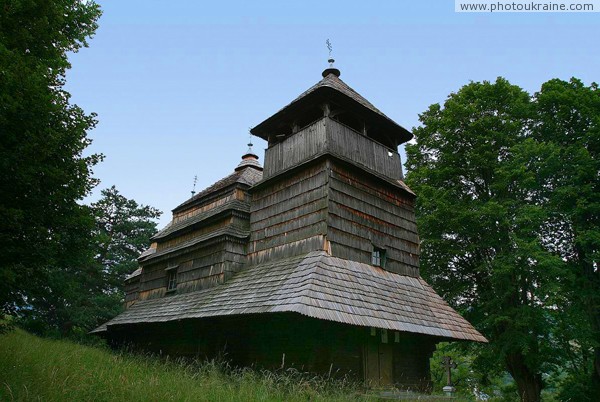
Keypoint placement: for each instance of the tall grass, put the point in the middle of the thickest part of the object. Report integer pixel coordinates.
(36, 369)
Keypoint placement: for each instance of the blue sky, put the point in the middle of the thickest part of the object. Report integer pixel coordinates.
(177, 84)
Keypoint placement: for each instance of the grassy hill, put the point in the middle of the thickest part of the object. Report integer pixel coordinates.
(33, 368)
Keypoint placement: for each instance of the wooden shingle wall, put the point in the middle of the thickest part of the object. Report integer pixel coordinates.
(365, 213)
(355, 188)
(132, 287)
(186, 237)
(197, 209)
(288, 217)
(198, 268)
(204, 264)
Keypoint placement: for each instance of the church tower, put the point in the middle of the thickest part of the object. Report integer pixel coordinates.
(333, 181)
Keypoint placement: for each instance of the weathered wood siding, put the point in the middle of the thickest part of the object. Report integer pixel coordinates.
(365, 213)
(198, 268)
(362, 211)
(153, 280)
(329, 136)
(262, 341)
(208, 204)
(199, 265)
(288, 216)
(344, 142)
(298, 148)
(176, 241)
(398, 359)
(132, 287)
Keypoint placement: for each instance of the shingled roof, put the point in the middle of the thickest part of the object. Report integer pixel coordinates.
(200, 218)
(333, 81)
(249, 175)
(320, 286)
(226, 232)
(330, 86)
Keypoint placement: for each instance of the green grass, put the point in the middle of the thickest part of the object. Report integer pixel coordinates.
(38, 369)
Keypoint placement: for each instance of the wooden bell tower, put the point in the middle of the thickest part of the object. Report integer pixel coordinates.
(333, 181)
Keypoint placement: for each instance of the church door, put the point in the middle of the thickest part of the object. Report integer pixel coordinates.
(378, 362)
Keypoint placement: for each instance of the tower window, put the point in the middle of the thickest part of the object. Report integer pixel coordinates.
(378, 257)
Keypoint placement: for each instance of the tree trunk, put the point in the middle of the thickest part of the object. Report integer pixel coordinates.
(529, 383)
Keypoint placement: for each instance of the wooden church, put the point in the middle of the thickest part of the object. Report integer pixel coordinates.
(311, 262)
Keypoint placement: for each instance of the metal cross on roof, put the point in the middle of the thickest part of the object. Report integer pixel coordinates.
(250, 144)
(194, 188)
(330, 48)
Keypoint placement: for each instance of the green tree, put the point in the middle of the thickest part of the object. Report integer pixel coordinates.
(481, 218)
(82, 296)
(43, 229)
(567, 121)
(123, 232)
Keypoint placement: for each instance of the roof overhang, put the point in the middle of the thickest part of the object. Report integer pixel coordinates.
(379, 126)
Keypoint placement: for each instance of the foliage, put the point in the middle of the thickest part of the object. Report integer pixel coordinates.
(43, 229)
(497, 185)
(568, 120)
(92, 293)
(470, 384)
(40, 369)
(63, 263)
(123, 232)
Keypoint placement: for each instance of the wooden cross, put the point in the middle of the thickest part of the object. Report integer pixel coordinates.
(448, 364)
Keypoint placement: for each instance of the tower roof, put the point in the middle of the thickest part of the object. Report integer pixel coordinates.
(331, 89)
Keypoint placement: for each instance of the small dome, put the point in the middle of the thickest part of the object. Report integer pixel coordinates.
(249, 160)
(331, 69)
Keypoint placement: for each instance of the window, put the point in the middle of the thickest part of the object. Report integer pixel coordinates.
(378, 257)
(171, 279)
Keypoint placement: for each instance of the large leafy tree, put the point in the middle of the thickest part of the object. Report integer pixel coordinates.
(63, 263)
(481, 216)
(43, 229)
(567, 121)
(123, 232)
(84, 294)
